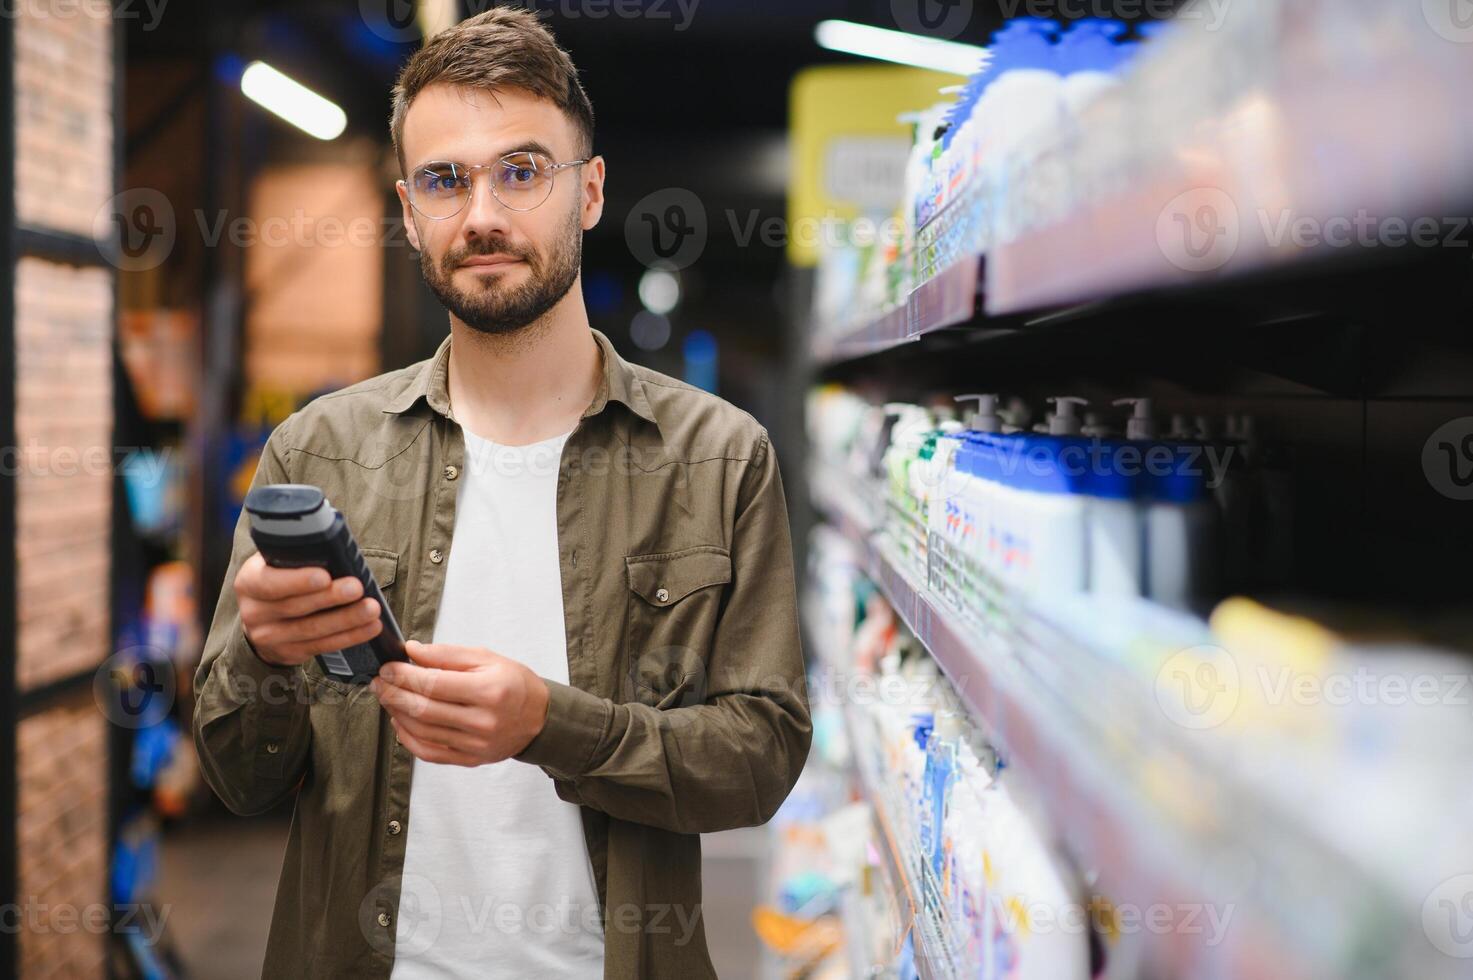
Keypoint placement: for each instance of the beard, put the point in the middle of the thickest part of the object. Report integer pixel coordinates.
(491, 306)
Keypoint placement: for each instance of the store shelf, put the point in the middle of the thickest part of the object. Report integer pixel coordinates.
(930, 961)
(945, 300)
(1277, 151)
(1286, 129)
(1145, 813)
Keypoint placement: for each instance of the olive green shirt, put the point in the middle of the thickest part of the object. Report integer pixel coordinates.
(686, 710)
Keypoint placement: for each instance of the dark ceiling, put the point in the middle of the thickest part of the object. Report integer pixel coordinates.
(714, 71)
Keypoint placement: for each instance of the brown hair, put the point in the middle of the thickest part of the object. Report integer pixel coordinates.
(503, 47)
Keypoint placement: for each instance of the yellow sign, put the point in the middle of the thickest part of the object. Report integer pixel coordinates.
(848, 144)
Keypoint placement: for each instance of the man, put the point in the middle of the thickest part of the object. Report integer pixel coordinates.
(591, 562)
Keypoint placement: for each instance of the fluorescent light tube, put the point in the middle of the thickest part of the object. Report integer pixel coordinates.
(292, 101)
(900, 47)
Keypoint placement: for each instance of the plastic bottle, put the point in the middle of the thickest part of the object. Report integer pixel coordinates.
(1093, 52)
(1095, 426)
(912, 427)
(1182, 552)
(927, 475)
(1064, 421)
(1022, 42)
(1021, 103)
(1116, 522)
(1054, 506)
(1016, 417)
(986, 418)
(960, 532)
(1181, 540)
(1141, 425)
(943, 510)
(953, 505)
(1028, 876)
(924, 180)
(941, 752)
(1000, 460)
(1035, 506)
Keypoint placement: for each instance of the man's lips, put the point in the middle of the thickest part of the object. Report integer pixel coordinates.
(490, 261)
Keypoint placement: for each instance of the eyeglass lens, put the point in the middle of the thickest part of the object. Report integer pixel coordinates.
(521, 181)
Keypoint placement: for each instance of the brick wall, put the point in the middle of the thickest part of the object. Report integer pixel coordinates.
(63, 113)
(63, 330)
(62, 840)
(63, 461)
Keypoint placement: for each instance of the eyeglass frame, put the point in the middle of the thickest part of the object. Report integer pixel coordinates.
(470, 170)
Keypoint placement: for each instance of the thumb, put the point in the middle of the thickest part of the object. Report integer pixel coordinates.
(447, 656)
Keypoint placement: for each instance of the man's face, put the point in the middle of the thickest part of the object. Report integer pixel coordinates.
(496, 269)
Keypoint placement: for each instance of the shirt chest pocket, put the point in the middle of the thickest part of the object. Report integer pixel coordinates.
(324, 689)
(675, 601)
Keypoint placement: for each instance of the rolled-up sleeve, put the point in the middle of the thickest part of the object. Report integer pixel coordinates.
(732, 759)
(251, 725)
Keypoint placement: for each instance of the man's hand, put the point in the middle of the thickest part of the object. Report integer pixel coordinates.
(290, 615)
(461, 706)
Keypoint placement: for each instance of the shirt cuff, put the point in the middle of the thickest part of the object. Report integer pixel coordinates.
(244, 662)
(575, 726)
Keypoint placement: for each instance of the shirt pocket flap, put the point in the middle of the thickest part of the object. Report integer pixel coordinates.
(383, 564)
(662, 580)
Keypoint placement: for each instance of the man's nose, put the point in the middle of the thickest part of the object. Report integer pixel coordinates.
(485, 215)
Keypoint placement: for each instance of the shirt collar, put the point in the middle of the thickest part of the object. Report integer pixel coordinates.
(618, 383)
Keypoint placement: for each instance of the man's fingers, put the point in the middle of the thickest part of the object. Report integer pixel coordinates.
(447, 656)
(426, 706)
(452, 738)
(301, 652)
(431, 752)
(317, 626)
(341, 593)
(263, 581)
(458, 686)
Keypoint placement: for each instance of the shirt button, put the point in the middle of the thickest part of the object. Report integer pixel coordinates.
(394, 828)
(272, 748)
(451, 472)
(662, 595)
(383, 919)
(436, 555)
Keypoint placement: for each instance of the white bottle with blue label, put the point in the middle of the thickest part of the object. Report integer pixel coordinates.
(1021, 104)
(1054, 504)
(1116, 521)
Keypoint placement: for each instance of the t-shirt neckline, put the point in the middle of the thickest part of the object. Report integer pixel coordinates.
(484, 443)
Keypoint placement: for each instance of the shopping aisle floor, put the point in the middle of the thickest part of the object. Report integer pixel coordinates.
(218, 878)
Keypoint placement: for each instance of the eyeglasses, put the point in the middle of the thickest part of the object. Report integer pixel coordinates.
(520, 181)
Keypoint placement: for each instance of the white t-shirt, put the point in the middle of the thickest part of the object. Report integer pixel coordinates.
(497, 880)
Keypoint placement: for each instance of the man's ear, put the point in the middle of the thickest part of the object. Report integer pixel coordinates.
(410, 228)
(593, 192)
